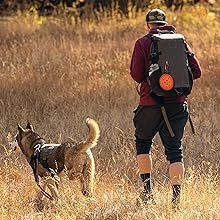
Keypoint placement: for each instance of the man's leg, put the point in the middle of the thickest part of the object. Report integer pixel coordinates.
(145, 166)
(176, 173)
(147, 121)
(178, 116)
(144, 163)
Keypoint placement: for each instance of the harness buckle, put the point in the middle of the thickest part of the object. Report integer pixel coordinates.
(37, 149)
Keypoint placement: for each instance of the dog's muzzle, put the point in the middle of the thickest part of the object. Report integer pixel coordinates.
(13, 145)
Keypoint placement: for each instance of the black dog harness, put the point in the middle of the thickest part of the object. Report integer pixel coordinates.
(40, 156)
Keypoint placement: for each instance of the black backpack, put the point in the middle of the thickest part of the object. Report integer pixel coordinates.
(169, 74)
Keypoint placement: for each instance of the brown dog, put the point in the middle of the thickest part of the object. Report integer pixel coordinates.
(49, 160)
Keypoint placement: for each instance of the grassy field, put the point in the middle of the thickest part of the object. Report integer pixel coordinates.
(54, 74)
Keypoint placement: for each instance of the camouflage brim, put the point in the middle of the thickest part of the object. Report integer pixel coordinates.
(156, 16)
(157, 22)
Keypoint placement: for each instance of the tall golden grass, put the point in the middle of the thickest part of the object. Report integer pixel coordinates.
(54, 74)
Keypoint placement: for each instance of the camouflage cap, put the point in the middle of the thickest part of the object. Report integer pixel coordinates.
(156, 16)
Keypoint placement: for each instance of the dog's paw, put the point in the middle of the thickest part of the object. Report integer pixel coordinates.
(39, 205)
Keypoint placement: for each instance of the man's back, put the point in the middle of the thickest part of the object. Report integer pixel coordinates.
(140, 65)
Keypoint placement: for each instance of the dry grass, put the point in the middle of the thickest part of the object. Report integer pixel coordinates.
(55, 74)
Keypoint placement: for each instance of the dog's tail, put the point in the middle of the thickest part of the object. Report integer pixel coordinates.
(93, 137)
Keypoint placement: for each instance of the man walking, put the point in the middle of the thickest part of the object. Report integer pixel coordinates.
(148, 118)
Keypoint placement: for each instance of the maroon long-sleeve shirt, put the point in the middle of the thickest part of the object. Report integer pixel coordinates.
(140, 64)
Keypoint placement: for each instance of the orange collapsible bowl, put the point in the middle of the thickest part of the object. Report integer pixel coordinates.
(166, 82)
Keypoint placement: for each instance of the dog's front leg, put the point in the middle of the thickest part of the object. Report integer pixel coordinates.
(88, 179)
(39, 199)
(83, 186)
(40, 195)
(52, 185)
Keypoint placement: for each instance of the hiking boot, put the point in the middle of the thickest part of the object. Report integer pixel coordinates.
(176, 204)
(176, 198)
(145, 199)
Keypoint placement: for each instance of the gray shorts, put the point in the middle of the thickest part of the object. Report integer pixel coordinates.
(148, 120)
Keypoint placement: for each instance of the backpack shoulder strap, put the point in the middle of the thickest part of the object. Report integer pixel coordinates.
(189, 54)
(154, 53)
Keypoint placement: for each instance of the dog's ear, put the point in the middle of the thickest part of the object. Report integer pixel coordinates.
(20, 129)
(29, 126)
